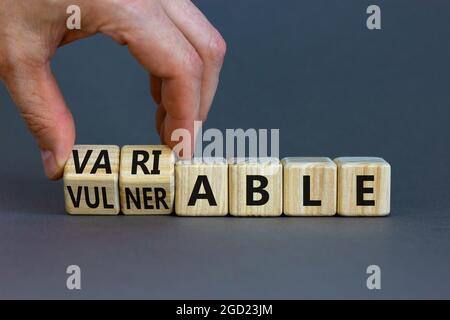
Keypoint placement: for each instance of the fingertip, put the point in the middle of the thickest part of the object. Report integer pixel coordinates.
(52, 170)
(57, 147)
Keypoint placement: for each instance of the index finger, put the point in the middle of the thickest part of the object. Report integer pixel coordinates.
(161, 48)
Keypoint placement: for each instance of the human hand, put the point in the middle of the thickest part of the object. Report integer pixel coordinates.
(171, 39)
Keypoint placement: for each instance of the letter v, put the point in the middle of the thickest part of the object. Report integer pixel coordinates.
(75, 201)
(76, 159)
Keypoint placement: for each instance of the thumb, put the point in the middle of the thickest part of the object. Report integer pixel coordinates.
(41, 104)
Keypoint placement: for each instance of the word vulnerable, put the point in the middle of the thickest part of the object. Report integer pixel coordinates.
(148, 180)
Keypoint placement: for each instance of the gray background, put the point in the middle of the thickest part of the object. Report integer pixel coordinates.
(310, 68)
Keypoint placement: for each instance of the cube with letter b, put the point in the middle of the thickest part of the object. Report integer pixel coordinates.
(364, 186)
(91, 180)
(255, 186)
(147, 179)
(201, 187)
(309, 186)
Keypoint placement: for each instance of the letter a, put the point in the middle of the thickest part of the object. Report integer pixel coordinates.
(374, 20)
(74, 280)
(74, 20)
(374, 280)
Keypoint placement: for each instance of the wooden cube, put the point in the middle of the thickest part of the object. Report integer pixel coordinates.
(255, 187)
(147, 180)
(309, 186)
(91, 180)
(201, 187)
(364, 186)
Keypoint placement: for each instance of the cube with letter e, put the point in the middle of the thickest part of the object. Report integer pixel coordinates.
(364, 186)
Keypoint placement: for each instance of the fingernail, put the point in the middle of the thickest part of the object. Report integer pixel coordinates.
(50, 166)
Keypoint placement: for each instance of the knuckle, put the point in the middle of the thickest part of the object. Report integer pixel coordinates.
(38, 123)
(216, 48)
(15, 62)
(193, 64)
(38, 115)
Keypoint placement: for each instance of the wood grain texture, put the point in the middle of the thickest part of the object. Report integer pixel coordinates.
(148, 186)
(239, 170)
(321, 173)
(349, 168)
(92, 192)
(207, 177)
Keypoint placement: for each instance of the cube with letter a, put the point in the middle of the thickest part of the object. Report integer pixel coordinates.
(201, 187)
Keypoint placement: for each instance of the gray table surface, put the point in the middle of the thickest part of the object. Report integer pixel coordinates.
(334, 88)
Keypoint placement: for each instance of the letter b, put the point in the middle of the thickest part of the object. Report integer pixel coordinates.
(251, 190)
